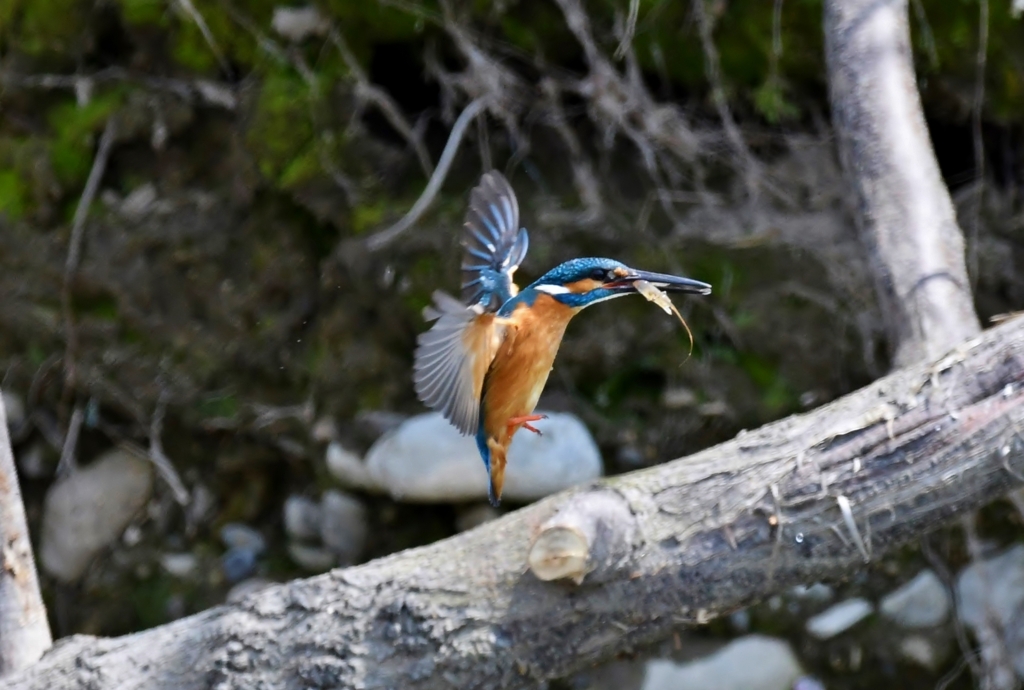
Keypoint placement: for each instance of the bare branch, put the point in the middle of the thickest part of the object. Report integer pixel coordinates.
(381, 239)
(99, 166)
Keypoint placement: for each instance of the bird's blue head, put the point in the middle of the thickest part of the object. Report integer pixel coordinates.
(581, 282)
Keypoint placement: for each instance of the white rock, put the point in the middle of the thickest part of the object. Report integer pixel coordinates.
(426, 459)
(921, 603)
(302, 518)
(923, 651)
(839, 618)
(349, 469)
(315, 559)
(89, 509)
(343, 525)
(817, 593)
(139, 202)
(179, 564)
(297, 23)
(753, 662)
(15, 410)
(324, 430)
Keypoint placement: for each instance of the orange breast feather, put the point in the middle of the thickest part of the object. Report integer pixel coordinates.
(522, 363)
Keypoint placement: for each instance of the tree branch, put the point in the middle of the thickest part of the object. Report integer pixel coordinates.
(672, 546)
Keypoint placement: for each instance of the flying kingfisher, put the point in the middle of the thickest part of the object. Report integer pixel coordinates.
(485, 361)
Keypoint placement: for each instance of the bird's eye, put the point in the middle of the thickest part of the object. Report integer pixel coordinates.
(598, 274)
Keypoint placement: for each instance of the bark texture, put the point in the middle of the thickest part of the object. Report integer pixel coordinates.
(906, 215)
(808, 498)
(24, 630)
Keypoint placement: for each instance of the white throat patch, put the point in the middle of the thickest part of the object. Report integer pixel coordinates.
(553, 289)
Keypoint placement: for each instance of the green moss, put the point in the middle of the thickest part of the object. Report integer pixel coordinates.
(281, 130)
(74, 128)
(219, 406)
(142, 12)
(38, 27)
(13, 195)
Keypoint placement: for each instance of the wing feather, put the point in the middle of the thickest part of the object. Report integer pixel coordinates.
(493, 242)
(452, 358)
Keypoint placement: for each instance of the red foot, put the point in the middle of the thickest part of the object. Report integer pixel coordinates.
(524, 421)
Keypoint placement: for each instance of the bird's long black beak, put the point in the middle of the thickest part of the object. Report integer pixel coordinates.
(662, 281)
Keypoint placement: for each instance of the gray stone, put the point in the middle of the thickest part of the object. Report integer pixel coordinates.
(839, 618)
(754, 662)
(925, 651)
(344, 525)
(15, 410)
(349, 469)
(991, 592)
(315, 559)
(324, 430)
(299, 23)
(302, 517)
(180, 565)
(235, 535)
(817, 593)
(426, 459)
(89, 509)
(921, 603)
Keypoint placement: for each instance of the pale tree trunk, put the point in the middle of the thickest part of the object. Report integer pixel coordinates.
(24, 630)
(905, 212)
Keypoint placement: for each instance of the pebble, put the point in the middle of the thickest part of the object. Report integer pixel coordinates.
(15, 410)
(302, 517)
(839, 618)
(817, 593)
(245, 546)
(315, 559)
(181, 565)
(992, 591)
(235, 535)
(427, 460)
(238, 563)
(754, 662)
(324, 430)
(348, 468)
(89, 509)
(344, 525)
(298, 23)
(921, 603)
(923, 651)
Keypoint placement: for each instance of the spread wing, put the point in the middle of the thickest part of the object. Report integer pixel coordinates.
(494, 243)
(452, 359)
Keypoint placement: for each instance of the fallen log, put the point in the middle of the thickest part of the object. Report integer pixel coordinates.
(811, 497)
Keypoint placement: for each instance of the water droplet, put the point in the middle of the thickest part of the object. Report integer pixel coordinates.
(799, 537)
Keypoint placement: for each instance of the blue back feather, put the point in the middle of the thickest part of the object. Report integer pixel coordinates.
(494, 245)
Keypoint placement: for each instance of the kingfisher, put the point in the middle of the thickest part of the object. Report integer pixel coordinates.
(484, 362)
